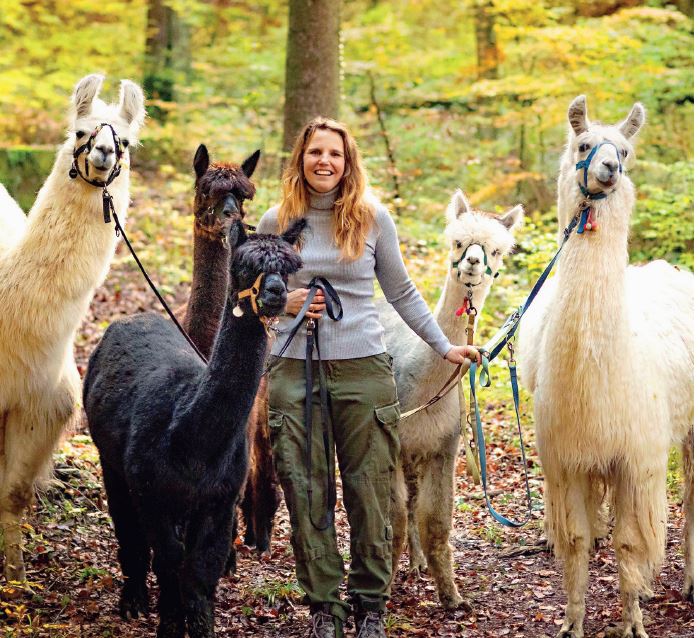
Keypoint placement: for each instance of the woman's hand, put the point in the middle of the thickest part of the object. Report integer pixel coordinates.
(458, 354)
(296, 299)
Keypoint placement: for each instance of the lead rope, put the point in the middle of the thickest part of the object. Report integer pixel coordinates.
(467, 421)
(312, 342)
(489, 352)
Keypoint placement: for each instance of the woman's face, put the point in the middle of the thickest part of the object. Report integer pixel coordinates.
(323, 160)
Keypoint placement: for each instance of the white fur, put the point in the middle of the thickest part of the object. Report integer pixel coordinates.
(607, 351)
(48, 275)
(429, 439)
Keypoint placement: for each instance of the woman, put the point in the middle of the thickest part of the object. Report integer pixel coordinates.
(351, 242)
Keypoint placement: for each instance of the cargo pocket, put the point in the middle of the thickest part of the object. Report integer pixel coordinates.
(276, 434)
(388, 416)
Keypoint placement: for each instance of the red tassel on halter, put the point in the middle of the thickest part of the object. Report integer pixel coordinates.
(465, 308)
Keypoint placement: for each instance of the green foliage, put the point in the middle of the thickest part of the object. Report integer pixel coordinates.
(23, 169)
(662, 227)
(275, 591)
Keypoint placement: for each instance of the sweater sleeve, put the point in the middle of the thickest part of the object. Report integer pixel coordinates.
(400, 290)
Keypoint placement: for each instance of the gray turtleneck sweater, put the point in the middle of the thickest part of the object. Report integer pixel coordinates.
(359, 333)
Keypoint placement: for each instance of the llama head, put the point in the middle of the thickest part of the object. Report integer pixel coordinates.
(273, 256)
(478, 241)
(221, 189)
(600, 154)
(104, 132)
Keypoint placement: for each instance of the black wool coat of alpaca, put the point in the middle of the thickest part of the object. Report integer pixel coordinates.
(171, 435)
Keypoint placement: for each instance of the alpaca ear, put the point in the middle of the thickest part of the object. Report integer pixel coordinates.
(85, 92)
(513, 219)
(294, 233)
(201, 161)
(633, 123)
(458, 206)
(237, 235)
(250, 163)
(132, 103)
(577, 115)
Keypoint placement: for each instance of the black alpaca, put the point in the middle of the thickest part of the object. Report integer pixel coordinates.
(172, 440)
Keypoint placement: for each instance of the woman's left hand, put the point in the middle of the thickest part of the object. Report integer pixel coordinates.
(458, 354)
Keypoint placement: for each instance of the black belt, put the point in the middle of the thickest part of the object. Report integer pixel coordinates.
(333, 305)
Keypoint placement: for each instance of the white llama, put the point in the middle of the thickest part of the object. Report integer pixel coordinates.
(424, 483)
(607, 351)
(48, 274)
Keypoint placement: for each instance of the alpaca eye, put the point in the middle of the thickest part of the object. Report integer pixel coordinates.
(496, 252)
(125, 143)
(459, 244)
(624, 153)
(79, 134)
(583, 148)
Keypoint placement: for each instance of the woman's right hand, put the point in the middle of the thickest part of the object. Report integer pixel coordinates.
(296, 299)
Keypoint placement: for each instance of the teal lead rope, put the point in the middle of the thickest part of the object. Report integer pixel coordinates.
(481, 439)
(489, 352)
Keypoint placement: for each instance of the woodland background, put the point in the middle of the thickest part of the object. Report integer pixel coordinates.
(440, 94)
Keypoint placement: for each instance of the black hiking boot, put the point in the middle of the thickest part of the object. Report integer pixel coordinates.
(369, 624)
(325, 625)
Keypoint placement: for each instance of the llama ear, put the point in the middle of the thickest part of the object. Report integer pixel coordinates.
(577, 115)
(633, 123)
(459, 205)
(294, 233)
(250, 163)
(85, 92)
(513, 219)
(131, 103)
(201, 161)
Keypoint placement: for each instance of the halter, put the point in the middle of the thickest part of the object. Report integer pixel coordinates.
(252, 292)
(587, 220)
(107, 202)
(488, 270)
(467, 308)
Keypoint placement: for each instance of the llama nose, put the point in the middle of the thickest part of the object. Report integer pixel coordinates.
(230, 206)
(473, 260)
(275, 286)
(105, 150)
(611, 165)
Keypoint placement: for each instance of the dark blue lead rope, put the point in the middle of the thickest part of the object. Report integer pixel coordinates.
(501, 339)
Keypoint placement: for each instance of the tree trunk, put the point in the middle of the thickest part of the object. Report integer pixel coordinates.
(487, 54)
(312, 64)
(167, 54)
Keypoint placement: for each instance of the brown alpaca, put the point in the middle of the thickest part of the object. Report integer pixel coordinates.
(221, 189)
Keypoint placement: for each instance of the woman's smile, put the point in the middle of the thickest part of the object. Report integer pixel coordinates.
(323, 160)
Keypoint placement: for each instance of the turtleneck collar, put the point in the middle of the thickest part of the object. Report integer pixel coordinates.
(323, 201)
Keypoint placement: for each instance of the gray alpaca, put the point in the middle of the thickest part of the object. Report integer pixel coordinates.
(424, 483)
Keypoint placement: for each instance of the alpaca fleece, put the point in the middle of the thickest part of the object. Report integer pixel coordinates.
(220, 191)
(424, 484)
(50, 265)
(171, 435)
(607, 351)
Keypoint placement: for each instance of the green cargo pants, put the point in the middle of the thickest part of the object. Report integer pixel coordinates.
(364, 414)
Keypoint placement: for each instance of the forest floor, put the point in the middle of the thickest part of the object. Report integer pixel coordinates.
(74, 579)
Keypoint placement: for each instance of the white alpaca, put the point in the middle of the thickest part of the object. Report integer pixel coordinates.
(607, 351)
(424, 486)
(50, 265)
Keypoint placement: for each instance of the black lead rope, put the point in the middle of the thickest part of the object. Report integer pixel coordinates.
(333, 305)
(153, 287)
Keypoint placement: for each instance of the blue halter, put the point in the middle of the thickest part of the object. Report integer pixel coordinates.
(585, 163)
